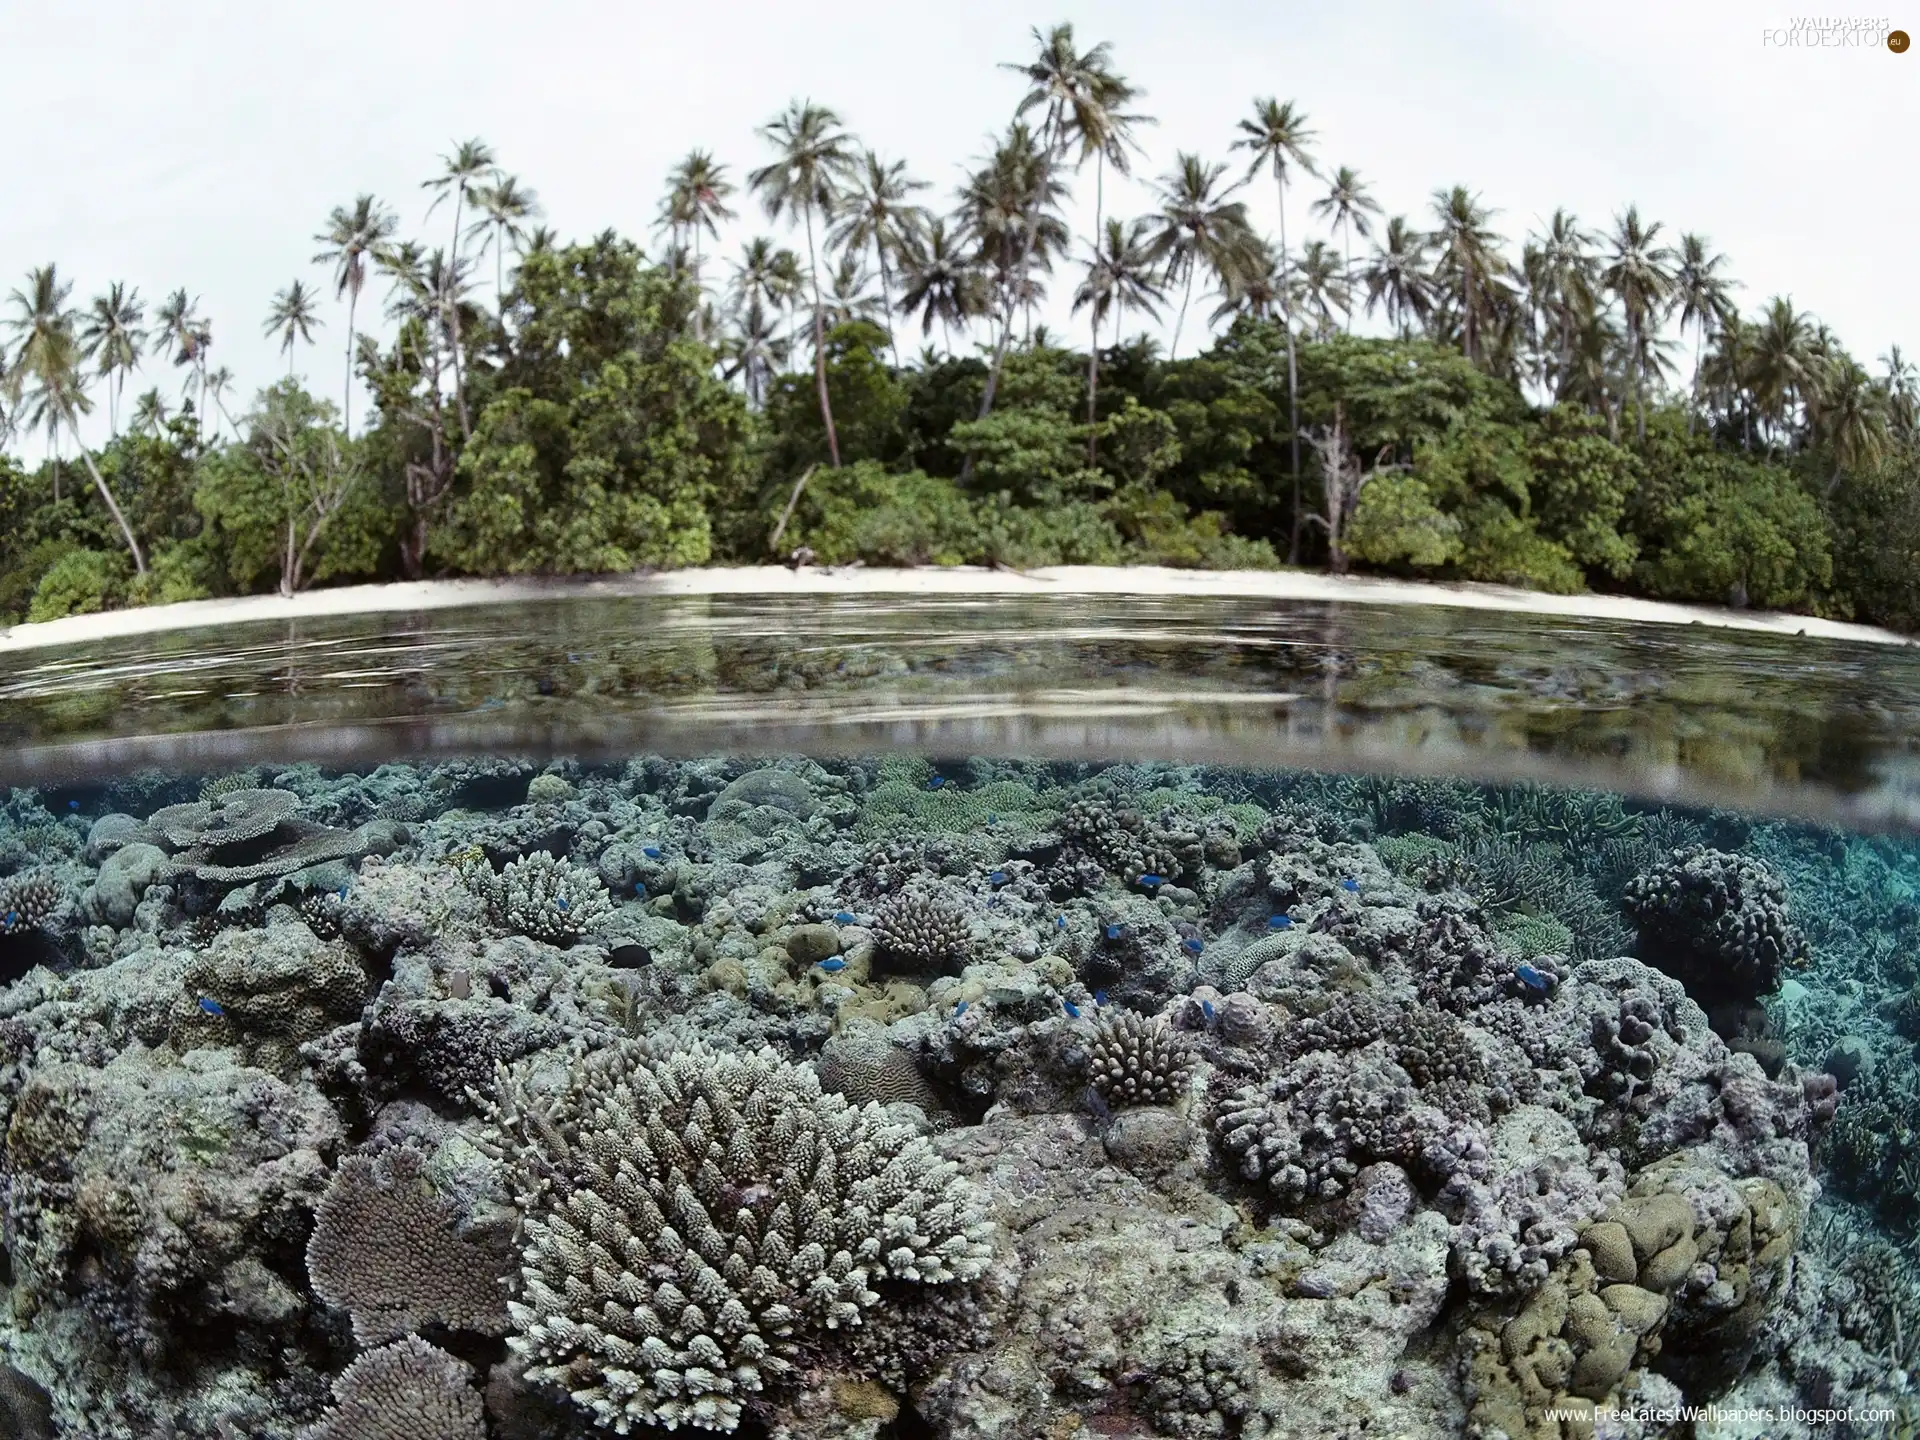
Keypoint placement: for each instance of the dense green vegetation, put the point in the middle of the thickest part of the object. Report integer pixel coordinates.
(1593, 413)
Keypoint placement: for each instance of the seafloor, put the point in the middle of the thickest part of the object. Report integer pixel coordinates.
(878, 1099)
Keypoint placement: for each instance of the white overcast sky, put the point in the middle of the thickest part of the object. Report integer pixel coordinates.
(201, 143)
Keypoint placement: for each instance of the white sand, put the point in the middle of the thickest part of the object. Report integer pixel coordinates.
(1064, 580)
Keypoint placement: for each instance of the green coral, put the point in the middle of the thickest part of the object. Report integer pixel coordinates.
(896, 807)
(1528, 936)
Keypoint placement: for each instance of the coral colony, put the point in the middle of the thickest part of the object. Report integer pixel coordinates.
(852, 1099)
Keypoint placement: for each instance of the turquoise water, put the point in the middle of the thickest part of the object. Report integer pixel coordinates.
(987, 1019)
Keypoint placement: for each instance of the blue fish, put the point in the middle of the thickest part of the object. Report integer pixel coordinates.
(1350, 885)
(652, 852)
(1071, 1008)
(992, 818)
(73, 804)
(1531, 978)
(1279, 922)
(834, 965)
(998, 877)
(561, 901)
(341, 892)
(959, 1009)
(1113, 931)
(12, 916)
(1193, 944)
(843, 917)
(639, 887)
(1059, 922)
(1206, 1008)
(572, 658)
(1150, 881)
(936, 782)
(211, 1005)
(1100, 998)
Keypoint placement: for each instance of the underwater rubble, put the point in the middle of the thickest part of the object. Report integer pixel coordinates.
(866, 1098)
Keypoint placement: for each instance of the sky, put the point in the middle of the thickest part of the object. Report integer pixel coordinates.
(202, 143)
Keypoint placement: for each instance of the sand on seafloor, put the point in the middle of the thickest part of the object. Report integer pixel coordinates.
(1283, 585)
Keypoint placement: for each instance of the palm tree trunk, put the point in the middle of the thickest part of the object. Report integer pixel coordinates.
(1093, 384)
(1293, 372)
(453, 314)
(346, 393)
(1021, 262)
(820, 348)
(113, 506)
(886, 298)
(1346, 226)
(1700, 336)
(1173, 351)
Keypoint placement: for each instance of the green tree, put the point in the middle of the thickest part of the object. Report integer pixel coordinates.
(112, 334)
(505, 206)
(938, 281)
(1396, 276)
(353, 237)
(1347, 205)
(462, 174)
(1119, 274)
(1470, 273)
(1639, 273)
(181, 330)
(1197, 227)
(875, 211)
(696, 200)
(1581, 485)
(292, 319)
(1703, 299)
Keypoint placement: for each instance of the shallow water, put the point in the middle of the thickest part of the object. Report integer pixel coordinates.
(885, 1019)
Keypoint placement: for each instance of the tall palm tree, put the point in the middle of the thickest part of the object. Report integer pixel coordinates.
(1853, 418)
(1012, 184)
(1252, 285)
(1320, 288)
(292, 318)
(875, 211)
(1783, 363)
(938, 281)
(1470, 270)
(1703, 299)
(1639, 274)
(111, 337)
(1077, 95)
(1347, 204)
(352, 237)
(1197, 226)
(754, 350)
(1277, 138)
(504, 207)
(1902, 389)
(149, 414)
(1122, 272)
(181, 331)
(812, 166)
(848, 297)
(218, 385)
(1396, 276)
(696, 200)
(45, 377)
(1560, 271)
(460, 176)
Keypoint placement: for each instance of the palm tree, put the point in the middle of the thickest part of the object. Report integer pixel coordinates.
(1703, 299)
(1320, 288)
(754, 350)
(996, 201)
(1853, 418)
(812, 166)
(697, 191)
(1197, 225)
(149, 414)
(218, 384)
(111, 336)
(875, 212)
(1396, 276)
(1902, 394)
(1470, 271)
(848, 298)
(292, 318)
(460, 177)
(1252, 285)
(1562, 285)
(1639, 273)
(938, 281)
(351, 237)
(504, 208)
(45, 376)
(1347, 204)
(182, 331)
(1121, 272)
(1078, 95)
(1277, 138)
(1782, 363)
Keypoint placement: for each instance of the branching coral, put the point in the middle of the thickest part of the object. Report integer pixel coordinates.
(698, 1222)
(543, 897)
(1136, 1061)
(1717, 923)
(408, 1390)
(923, 926)
(33, 900)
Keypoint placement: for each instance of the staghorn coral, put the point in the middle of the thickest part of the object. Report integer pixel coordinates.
(1136, 1061)
(544, 897)
(32, 900)
(697, 1223)
(408, 1390)
(385, 1249)
(924, 926)
(1717, 923)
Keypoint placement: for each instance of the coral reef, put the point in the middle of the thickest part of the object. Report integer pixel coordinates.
(408, 1390)
(1717, 923)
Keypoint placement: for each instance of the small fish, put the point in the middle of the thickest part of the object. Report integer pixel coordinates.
(12, 916)
(1193, 944)
(572, 658)
(73, 804)
(959, 1009)
(1206, 1008)
(1059, 922)
(1113, 931)
(629, 957)
(1071, 1008)
(1279, 922)
(843, 917)
(834, 965)
(998, 877)
(991, 817)
(341, 892)
(211, 1005)
(652, 852)
(936, 782)
(492, 702)
(1100, 999)
(639, 887)
(561, 901)
(1531, 978)
(1152, 881)
(1350, 885)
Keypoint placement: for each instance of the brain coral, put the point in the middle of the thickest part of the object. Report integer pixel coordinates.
(699, 1223)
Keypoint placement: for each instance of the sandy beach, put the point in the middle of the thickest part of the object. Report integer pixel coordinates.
(933, 581)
